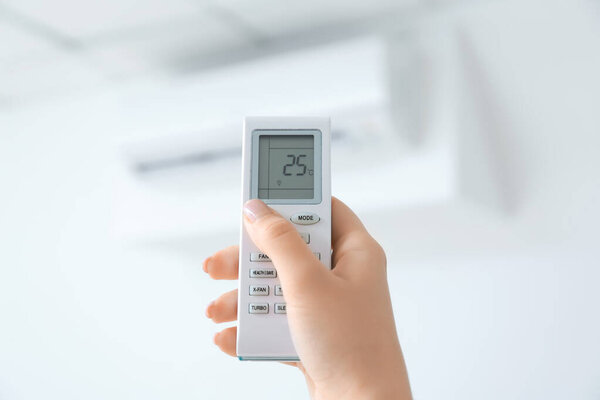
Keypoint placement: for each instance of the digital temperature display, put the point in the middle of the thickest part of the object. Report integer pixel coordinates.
(286, 167)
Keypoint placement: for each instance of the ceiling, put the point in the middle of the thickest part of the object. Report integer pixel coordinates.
(63, 46)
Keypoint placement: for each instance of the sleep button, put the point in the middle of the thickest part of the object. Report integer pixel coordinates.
(305, 218)
(280, 308)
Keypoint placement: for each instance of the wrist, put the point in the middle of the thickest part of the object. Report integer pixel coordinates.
(383, 382)
(390, 388)
(391, 385)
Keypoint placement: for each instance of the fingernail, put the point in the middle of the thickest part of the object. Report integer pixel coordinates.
(205, 265)
(207, 312)
(254, 209)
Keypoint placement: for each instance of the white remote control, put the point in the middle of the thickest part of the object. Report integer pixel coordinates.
(286, 164)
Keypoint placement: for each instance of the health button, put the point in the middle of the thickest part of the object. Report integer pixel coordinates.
(263, 273)
(305, 218)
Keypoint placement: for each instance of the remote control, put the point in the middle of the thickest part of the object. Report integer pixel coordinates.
(286, 164)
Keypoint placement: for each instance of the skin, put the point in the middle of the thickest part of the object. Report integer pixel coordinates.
(341, 320)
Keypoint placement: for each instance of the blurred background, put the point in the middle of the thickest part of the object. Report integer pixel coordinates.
(466, 136)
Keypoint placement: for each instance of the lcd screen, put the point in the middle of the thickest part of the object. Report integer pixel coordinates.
(286, 167)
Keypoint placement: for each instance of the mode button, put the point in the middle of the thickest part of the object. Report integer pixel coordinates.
(305, 218)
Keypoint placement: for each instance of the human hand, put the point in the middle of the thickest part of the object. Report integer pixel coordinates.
(341, 320)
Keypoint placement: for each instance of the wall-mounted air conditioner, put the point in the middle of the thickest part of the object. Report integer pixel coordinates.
(181, 169)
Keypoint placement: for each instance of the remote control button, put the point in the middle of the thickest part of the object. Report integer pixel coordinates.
(259, 290)
(258, 308)
(263, 273)
(278, 290)
(280, 308)
(318, 255)
(305, 218)
(259, 257)
(305, 236)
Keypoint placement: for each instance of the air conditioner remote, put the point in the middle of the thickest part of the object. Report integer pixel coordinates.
(285, 163)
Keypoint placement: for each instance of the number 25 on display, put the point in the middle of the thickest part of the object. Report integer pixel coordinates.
(296, 160)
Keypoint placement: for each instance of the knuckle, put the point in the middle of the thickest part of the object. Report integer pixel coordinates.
(377, 253)
(380, 253)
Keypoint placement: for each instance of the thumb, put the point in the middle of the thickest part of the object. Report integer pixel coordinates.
(274, 235)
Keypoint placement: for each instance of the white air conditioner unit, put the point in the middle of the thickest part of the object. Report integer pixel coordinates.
(181, 173)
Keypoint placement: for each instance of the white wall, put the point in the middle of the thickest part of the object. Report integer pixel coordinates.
(489, 303)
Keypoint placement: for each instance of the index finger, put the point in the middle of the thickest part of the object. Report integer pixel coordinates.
(344, 223)
(349, 235)
(223, 264)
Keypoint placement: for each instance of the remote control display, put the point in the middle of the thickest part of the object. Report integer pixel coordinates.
(286, 167)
